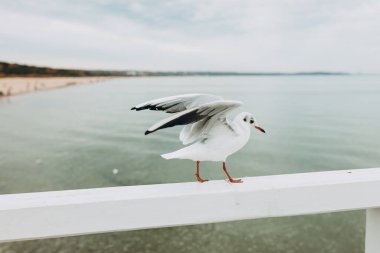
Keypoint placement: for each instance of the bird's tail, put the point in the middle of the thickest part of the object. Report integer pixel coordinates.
(179, 154)
(169, 155)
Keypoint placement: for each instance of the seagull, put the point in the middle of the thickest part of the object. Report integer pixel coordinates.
(208, 128)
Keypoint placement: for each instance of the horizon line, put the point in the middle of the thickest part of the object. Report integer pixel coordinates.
(195, 72)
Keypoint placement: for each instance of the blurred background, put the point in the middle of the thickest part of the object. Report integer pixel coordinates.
(307, 70)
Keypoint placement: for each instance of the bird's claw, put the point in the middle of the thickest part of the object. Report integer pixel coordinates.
(201, 180)
(235, 180)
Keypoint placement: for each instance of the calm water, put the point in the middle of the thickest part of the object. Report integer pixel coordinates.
(75, 137)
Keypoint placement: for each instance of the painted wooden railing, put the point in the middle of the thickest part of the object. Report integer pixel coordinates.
(74, 212)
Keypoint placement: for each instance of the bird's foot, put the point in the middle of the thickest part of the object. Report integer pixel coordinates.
(201, 180)
(235, 180)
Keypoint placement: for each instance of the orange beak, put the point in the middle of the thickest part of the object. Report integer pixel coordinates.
(260, 129)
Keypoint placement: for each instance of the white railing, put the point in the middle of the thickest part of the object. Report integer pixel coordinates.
(74, 212)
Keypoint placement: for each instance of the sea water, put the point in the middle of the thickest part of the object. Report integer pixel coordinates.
(79, 136)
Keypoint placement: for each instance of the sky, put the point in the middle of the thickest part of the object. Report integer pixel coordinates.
(194, 35)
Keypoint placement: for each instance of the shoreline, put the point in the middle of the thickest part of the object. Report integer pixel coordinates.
(11, 86)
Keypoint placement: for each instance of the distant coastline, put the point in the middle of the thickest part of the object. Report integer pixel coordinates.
(18, 79)
(21, 85)
(20, 70)
(211, 73)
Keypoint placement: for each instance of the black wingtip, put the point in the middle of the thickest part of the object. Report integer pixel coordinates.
(133, 108)
(147, 132)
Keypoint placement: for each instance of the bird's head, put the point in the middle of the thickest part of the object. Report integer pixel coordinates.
(248, 119)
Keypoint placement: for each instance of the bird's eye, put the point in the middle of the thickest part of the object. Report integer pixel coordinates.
(251, 121)
(245, 119)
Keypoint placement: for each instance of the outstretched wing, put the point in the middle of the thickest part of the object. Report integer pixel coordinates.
(204, 117)
(177, 103)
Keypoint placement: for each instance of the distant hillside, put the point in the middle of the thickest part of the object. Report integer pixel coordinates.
(18, 70)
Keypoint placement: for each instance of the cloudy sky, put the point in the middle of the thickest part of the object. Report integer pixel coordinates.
(236, 35)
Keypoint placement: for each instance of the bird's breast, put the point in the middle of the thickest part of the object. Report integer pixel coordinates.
(227, 142)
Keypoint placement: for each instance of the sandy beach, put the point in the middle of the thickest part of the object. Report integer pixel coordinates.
(20, 85)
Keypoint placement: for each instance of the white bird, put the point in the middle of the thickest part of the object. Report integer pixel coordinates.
(213, 135)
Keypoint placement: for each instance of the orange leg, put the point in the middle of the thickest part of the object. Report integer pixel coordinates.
(229, 177)
(200, 180)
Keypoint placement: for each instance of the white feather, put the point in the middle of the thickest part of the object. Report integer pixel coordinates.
(202, 118)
